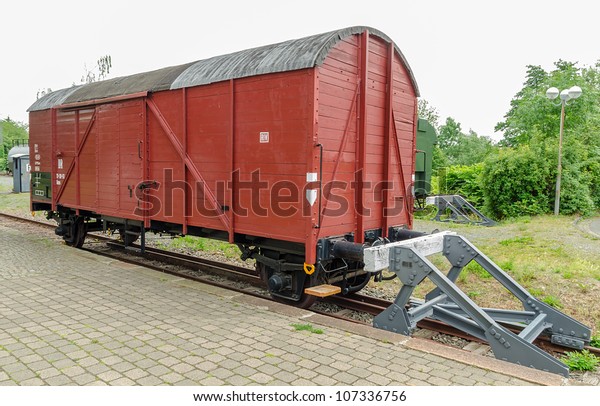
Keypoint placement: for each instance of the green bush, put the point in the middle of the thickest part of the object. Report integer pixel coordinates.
(594, 174)
(522, 181)
(517, 182)
(464, 181)
(435, 185)
(580, 178)
(575, 196)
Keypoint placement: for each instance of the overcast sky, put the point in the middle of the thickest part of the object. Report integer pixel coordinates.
(469, 57)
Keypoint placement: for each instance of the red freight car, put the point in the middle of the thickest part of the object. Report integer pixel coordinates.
(300, 152)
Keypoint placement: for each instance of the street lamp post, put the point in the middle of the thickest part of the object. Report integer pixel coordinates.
(566, 95)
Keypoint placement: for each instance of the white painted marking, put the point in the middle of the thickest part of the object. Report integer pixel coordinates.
(311, 196)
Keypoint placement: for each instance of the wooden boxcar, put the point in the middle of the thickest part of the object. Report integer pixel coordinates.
(285, 150)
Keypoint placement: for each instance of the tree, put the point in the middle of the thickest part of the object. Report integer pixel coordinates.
(471, 149)
(454, 147)
(103, 65)
(439, 160)
(462, 149)
(10, 131)
(449, 134)
(428, 112)
(531, 129)
(526, 108)
(532, 112)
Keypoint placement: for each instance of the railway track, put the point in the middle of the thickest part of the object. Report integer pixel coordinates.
(247, 281)
(374, 306)
(181, 265)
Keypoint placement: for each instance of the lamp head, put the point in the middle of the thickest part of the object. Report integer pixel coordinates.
(574, 92)
(564, 95)
(552, 93)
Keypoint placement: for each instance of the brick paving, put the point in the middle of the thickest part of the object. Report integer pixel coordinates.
(69, 317)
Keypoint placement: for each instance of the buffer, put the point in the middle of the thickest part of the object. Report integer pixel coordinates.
(458, 210)
(447, 303)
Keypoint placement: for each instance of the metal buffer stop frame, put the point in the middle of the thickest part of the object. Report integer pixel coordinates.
(447, 303)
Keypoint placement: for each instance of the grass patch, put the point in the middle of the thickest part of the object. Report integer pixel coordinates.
(536, 292)
(517, 241)
(475, 269)
(595, 341)
(205, 244)
(473, 294)
(525, 276)
(548, 255)
(581, 360)
(585, 288)
(507, 265)
(14, 203)
(426, 213)
(552, 301)
(463, 278)
(306, 327)
(519, 220)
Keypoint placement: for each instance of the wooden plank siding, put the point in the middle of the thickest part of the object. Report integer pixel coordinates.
(211, 133)
(338, 112)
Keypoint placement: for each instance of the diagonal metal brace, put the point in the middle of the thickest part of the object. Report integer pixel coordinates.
(562, 329)
(412, 268)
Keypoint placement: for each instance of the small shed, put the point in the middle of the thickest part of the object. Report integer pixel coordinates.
(16, 150)
(21, 173)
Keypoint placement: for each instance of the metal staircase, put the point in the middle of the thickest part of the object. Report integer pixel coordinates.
(447, 303)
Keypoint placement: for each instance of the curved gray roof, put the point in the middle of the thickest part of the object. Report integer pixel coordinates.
(52, 99)
(17, 151)
(290, 55)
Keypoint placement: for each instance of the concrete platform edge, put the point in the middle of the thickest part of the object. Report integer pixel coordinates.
(491, 364)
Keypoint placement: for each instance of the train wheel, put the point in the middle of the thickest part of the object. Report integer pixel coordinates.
(81, 234)
(305, 301)
(77, 233)
(261, 269)
(128, 238)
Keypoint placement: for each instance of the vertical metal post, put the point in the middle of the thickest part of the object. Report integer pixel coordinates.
(97, 110)
(388, 133)
(77, 166)
(559, 168)
(54, 186)
(185, 143)
(361, 147)
(231, 161)
(146, 158)
(312, 160)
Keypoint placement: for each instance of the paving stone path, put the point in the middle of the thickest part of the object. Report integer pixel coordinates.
(69, 317)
